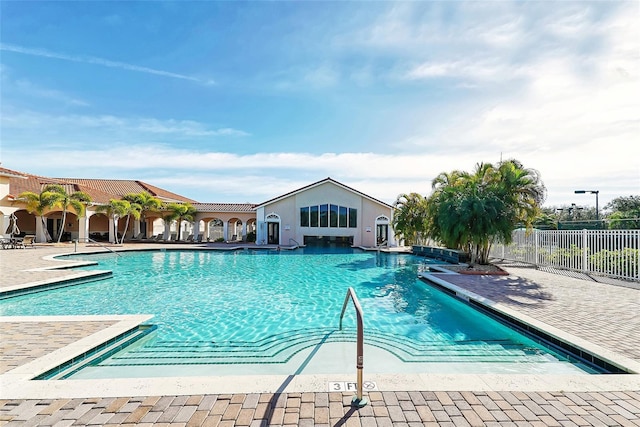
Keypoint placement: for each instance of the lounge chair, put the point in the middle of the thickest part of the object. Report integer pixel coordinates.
(29, 240)
(189, 238)
(5, 243)
(200, 238)
(234, 238)
(24, 242)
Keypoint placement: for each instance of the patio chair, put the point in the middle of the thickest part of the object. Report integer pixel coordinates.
(28, 241)
(189, 238)
(200, 238)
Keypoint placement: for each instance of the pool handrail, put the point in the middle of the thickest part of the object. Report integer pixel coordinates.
(294, 241)
(103, 246)
(358, 400)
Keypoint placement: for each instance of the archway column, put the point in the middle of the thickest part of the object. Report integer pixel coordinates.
(225, 230)
(196, 228)
(207, 230)
(113, 223)
(167, 230)
(5, 222)
(244, 231)
(83, 229)
(136, 228)
(41, 237)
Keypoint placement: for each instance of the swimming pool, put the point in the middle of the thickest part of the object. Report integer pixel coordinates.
(258, 311)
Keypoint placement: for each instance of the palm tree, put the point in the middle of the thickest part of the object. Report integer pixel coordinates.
(134, 210)
(146, 202)
(180, 212)
(39, 203)
(77, 200)
(410, 217)
(116, 209)
(469, 211)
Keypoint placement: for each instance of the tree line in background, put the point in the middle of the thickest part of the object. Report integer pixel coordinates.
(622, 213)
(468, 211)
(133, 205)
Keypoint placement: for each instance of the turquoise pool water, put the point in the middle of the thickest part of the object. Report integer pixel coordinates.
(264, 307)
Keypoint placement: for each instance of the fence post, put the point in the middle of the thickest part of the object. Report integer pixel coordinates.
(537, 243)
(584, 250)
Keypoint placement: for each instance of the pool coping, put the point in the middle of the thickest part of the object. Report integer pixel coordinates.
(17, 383)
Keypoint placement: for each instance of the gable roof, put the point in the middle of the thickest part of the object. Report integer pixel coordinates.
(316, 184)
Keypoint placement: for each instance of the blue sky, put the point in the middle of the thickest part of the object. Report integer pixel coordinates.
(244, 101)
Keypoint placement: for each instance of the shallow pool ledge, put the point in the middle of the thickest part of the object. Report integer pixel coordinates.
(579, 344)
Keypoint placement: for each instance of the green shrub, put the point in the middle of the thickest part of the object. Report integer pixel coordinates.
(624, 261)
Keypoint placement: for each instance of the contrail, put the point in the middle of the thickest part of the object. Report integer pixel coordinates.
(99, 61)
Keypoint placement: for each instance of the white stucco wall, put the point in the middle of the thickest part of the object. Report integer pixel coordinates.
(288, 209)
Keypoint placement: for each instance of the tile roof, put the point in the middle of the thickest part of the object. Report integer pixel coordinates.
(120, 187)
(100, 190)
(11, 173)
(224, 207)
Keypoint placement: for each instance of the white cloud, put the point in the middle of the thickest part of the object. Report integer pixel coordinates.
(220, 176)
(106, 127)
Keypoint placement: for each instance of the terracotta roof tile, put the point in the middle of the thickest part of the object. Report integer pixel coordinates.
(120, 187)
(224, 207)
(100, 190)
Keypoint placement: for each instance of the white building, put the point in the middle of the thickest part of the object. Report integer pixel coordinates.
(325, 212)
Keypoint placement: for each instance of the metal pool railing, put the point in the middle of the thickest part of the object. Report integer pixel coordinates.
(611, 253)
(358, 400)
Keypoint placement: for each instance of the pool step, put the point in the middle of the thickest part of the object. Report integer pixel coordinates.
(280, 348)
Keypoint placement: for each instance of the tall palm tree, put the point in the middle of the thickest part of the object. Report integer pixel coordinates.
(410, 217)
(146, 202)
(116, 209)
(77, 200)
(134, 210)
(38, 204)
(180, 212)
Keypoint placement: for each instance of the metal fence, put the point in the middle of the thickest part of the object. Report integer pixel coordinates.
(612, 253)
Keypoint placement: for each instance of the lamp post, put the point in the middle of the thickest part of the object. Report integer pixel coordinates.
(596, 192)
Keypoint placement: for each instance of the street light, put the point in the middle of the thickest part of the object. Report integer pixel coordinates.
(591, 192)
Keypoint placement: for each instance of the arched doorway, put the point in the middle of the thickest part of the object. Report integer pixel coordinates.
(382, 231)
(216, 230)
(234, 230)
(99, 227)
(273, 229)
(251, 230)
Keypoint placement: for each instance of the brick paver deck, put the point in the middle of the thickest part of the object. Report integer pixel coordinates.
(24, 342)
(333, 409)
(604, 314)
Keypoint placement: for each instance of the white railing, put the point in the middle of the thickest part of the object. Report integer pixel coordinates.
(612, 253)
